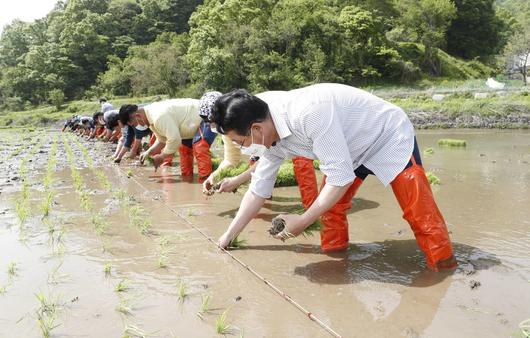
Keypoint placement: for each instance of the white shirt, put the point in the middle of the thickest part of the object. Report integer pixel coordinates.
(106, 106)
(343, 127)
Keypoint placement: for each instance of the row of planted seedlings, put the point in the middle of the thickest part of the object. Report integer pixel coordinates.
(138, 218)
(22, 204)
(45, 314)
(48, 306)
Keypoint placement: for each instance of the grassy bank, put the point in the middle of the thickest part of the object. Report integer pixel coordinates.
(46, 115)
(462, 100)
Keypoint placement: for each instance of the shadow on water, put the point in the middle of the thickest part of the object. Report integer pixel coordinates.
(358, 204)
(392, 261)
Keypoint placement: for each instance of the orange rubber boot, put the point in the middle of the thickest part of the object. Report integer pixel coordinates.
(415, 198)
(334, 233)
(186, 160)
(201, 152)
(307, 180)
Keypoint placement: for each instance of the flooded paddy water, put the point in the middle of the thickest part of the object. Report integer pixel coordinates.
(117, 254)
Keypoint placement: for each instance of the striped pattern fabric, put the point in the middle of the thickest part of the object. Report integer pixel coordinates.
(341, 126)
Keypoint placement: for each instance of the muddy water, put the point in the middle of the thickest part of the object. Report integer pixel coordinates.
(379, 287)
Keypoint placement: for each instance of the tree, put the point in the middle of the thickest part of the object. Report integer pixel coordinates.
(477, 30)
(427, 21)
(56, 97)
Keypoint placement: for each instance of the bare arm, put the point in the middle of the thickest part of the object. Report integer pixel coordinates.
(250, 205)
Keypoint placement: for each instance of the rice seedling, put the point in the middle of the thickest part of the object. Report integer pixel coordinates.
(278, 224)
(452, 142)
(122, 286)
(163, 252)
(192, 212)
(107, 269)
(99, 223)
(182, 291)
(46, 324)
(524, 326)
(432, 178)
(46, 314)
(129, 173)
(139, 219)
(3, 289)
(205, 306)
(124, 307)
(221, 327)
(237, 243)
(85, 200)
(47, 306)
(428, 151)
(120, 195)
(22, 210)
(133, 331)
(47, 204)
(12, 269)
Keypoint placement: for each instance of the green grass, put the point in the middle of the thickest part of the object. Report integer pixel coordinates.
(231, 171)
(285, 178)
(451, 142)
(45, 114)
(432, 178)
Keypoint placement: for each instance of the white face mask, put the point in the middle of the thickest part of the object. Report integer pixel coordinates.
(141, 128)
(254, 149)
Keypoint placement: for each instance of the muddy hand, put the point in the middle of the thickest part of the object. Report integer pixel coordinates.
(157, 160)
(207, 185)
(228, 184)
(143, 156)
(224, 240)
(294, 226)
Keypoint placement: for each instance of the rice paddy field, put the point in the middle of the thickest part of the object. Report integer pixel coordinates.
(92, 249)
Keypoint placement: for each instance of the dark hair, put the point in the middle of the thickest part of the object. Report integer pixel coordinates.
(96, 115)
(102, 99)
(112, 121)
(237, 111)
(125, 112)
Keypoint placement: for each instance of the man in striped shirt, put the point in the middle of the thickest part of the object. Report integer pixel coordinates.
(353, 134)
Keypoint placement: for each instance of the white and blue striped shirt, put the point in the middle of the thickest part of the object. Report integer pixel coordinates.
(341, 126)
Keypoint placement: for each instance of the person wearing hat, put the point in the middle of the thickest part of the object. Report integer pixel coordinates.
(354, 134)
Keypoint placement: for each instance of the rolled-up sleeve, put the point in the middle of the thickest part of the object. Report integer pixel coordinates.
(166, 126)
(321, 125)
(232, 155)
(264, 177)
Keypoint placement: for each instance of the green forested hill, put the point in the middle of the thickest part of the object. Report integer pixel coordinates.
(86, 48)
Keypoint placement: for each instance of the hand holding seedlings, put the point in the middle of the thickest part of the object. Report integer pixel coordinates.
(287, 226)
(279, 231)
(225, 185)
